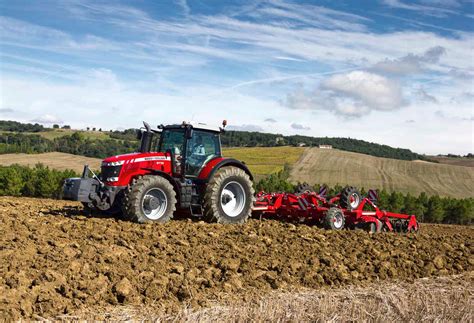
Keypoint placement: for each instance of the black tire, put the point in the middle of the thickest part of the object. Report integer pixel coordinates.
(350, 198)
(375, 227)
(138, 199)
(334, 219)
(302, 188)
(230, 178)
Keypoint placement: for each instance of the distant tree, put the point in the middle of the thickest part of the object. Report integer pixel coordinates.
(100, 129)
(66, 127)
(55, 126)
(88, 128)
(396, 202)
(435, 210)
(93, 129)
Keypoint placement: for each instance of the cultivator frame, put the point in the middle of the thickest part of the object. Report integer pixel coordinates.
(309, 206)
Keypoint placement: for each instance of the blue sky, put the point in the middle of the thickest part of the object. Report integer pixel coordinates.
(396, 72)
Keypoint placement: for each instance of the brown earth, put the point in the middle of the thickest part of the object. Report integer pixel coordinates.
(56, 261)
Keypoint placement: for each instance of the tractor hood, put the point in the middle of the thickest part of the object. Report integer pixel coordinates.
(134, 158)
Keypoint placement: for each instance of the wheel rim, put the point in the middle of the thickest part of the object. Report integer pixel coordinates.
(154, 203)
(233, 199)
(354, 200)
(338, 220)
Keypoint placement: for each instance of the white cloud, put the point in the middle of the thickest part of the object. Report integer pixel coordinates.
(411, 63)
(6, 111)
(183, 4)
(429, 9)
(352, 94)
(47, 119)
(271, 120)
(424, 96)
(375, 91)
(246, 127)
(299, 126)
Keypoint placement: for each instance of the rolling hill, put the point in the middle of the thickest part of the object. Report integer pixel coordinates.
(54, 160)
(317, 166)
(261, 161)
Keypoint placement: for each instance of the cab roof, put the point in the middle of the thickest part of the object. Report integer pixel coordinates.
(194, 125)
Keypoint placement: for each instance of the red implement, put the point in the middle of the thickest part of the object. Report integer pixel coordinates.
(329, 212)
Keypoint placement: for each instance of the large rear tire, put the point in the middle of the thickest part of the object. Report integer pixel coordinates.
(350, 198)
(150, 198)
(229, 196)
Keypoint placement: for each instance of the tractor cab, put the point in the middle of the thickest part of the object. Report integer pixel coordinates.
(190, 145)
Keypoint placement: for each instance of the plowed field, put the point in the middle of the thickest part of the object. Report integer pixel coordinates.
(56, 261)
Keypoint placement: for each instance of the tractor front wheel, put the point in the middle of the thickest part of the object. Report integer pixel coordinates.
(229, 196)
(150, 198)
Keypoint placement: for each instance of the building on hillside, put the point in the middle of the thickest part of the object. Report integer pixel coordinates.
(325, 146)
(302, 144)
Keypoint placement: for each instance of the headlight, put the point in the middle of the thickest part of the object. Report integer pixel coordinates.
(117, 163)
(112, 179)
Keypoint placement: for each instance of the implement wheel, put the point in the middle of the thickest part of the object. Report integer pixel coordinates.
(229, 196)
(334, 219)
(350, 198)
(302, 188)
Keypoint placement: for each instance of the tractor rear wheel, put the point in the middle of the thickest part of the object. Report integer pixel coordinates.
(229, 196)
(334, 219)
(350, 198)
(150, 198)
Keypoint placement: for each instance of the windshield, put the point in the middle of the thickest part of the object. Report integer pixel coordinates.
(172, 139)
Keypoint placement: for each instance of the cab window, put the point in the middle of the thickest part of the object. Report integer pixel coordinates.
(173, 140)
(201, 148)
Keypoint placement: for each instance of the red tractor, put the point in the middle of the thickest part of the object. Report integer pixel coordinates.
(182, 169)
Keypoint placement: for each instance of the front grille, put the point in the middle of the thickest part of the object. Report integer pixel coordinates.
(109, 172)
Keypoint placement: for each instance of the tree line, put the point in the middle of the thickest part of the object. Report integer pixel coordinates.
(253, 139)
(14, 126)
(38, 181)
(432, 209)
(75, 144)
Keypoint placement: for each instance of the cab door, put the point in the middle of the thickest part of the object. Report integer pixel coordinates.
(200, 149)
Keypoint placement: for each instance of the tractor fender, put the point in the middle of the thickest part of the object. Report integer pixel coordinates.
(215, 164)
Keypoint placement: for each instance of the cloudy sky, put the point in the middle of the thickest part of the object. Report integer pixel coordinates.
(396, 72)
